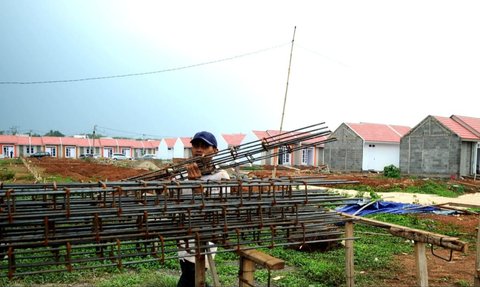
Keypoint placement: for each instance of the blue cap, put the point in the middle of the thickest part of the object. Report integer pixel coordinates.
(206, 137)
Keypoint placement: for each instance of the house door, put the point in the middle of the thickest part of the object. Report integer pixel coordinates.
(127, 152)
(52, 150)
(307, 156)
(8, 151)
(107, 152)
(70, 152)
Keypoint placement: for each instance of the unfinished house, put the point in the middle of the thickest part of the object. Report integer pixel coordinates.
(442, 146)
(364, 146)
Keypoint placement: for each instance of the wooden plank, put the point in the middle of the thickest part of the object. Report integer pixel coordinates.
(415, 234)
(349, 254)
(263, 259)
(421, 262)
(435, 239)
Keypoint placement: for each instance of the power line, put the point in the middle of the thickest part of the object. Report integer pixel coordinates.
(323, 56)
(142, 73)
(104, 129)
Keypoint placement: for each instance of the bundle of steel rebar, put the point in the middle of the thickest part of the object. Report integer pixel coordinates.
(64, 227)
(247, 153)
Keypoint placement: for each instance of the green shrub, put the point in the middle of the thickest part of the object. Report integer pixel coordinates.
(391, 171)
(6, 174)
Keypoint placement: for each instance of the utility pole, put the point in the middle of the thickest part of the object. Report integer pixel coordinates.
(93, 151)
(30, 143)
(274, 172)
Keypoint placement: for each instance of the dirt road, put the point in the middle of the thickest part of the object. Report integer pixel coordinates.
(423, 199)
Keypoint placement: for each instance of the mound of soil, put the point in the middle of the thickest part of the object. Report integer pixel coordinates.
(83, 170)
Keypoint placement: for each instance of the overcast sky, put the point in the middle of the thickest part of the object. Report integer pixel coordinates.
(171, 68)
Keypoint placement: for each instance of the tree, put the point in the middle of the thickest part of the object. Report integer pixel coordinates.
(53, 133)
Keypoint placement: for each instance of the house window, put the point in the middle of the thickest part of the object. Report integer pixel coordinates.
(89, 150)
(52, 150)
(29, 149)
(371, 145)
(283, 156)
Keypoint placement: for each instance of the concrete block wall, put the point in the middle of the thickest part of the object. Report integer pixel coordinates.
(346, 153)
(430, 150)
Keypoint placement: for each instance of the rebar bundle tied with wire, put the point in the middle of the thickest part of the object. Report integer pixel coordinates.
(247, 153)
(63, 227)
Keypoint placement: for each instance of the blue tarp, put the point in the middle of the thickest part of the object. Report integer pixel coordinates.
(388, 207)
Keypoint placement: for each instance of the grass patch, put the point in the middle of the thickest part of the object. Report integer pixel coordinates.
(58, 178)
(436, 187)
(140, 278)
(6, 174)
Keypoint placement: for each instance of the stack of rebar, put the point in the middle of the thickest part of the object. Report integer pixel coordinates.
(65, 227)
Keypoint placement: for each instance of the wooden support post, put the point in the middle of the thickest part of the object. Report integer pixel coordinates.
(349, 270)
(200, 271)
(421, 262)
(247, 269)
(476, 276)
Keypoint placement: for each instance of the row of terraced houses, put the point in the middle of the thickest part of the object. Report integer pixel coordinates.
(437, 146)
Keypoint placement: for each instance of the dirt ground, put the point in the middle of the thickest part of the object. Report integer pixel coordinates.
(86, 170)
(457, 272)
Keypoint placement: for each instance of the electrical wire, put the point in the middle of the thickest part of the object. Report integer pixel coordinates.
(104, 129)
(141, 73)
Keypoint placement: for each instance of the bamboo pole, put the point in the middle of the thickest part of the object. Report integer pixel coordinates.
(349, 254)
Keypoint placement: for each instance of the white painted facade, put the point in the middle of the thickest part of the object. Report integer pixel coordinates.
(166, 152)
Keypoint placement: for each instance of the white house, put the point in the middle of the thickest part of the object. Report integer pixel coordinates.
(170, 148)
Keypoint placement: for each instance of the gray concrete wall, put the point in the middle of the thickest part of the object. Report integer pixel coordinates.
(466, 158)
(346, 153)
(430, 149)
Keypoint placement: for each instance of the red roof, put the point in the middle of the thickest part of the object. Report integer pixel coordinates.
(7, 139)
(51, 140)
(186, 141)
(108, 142)
(73, 141)
(26, 140)
(457, 128)
(379, 132)
(170, 142)
(472, 124)
(233, 139)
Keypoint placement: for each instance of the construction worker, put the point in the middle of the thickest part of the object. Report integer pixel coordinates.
(204, 144)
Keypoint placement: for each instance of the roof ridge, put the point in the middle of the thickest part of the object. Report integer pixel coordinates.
(394, 130)
(461, 122)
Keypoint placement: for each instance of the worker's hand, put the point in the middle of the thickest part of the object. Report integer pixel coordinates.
(193, 171)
